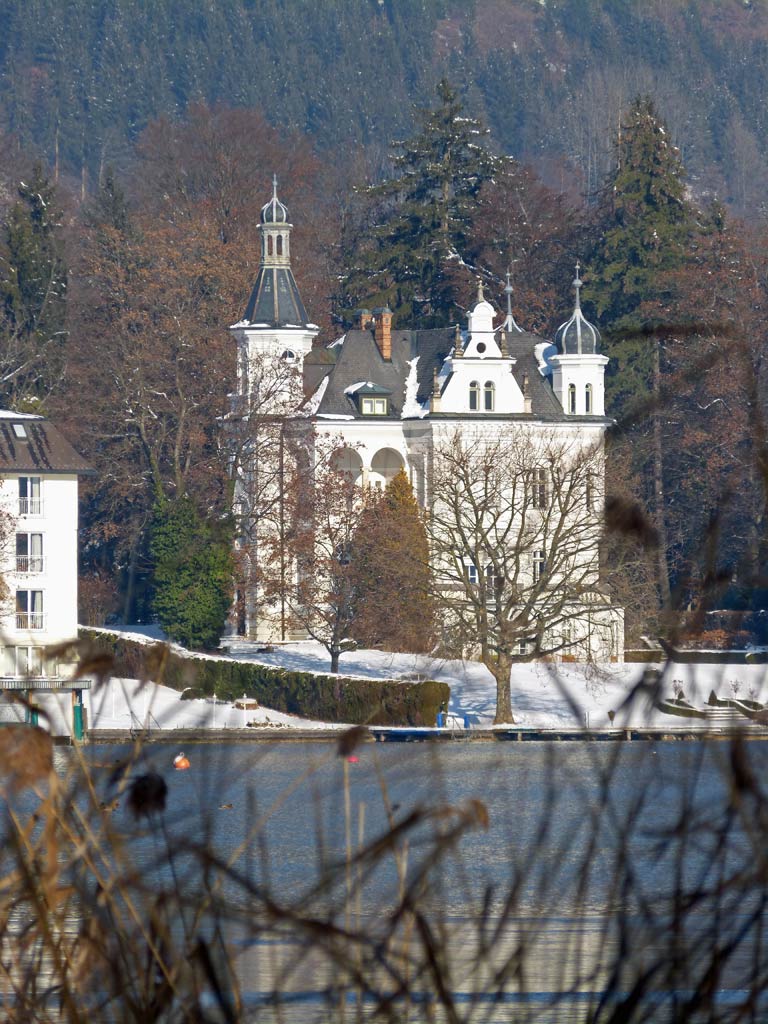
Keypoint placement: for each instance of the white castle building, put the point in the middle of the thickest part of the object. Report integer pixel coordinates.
(396, 397)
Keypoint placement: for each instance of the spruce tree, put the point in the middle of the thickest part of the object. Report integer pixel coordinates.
(647, 227)
(193, 574)
(390, 559)
(425, 217)
(33, 290)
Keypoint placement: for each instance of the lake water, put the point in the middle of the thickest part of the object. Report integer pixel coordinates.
(543, 882)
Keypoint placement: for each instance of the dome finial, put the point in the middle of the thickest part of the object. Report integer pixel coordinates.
(480, 296)
(509, 323)
(274, 186)
(577, 283)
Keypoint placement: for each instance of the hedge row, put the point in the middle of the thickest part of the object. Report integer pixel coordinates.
(327, 698)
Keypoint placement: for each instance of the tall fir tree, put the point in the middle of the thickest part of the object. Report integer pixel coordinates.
(33, 295)
(415, 258)
(647, 226)
(390, 559)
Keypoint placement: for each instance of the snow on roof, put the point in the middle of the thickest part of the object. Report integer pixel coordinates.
(314, 401)
(338, 343)
(411, 406)
(543, 352)
(354, 388)
(334, 416)
(9, 414)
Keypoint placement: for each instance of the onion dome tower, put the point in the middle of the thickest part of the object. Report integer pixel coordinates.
(579, 368)
(275, 323)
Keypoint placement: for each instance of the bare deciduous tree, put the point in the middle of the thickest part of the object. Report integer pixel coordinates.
(514, 527)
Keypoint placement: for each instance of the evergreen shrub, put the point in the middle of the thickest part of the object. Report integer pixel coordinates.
(328, 698)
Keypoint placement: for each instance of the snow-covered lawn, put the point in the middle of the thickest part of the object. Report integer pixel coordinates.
(543, 696)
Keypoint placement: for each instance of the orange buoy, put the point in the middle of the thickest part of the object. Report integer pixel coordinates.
(181, 762)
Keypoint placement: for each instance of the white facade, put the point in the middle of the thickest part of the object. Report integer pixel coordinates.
(393, 399)
(38, 561)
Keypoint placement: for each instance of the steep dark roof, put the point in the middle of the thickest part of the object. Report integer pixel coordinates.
(359, 359)
(43, 450)
(275, 299)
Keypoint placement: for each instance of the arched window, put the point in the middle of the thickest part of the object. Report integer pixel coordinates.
(269, 245)
(572, 398)
(474, 396)
(279, 245)
(588, 399)
(488, 395)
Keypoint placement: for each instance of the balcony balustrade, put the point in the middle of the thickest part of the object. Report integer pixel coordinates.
(30, 506)
(28, 564)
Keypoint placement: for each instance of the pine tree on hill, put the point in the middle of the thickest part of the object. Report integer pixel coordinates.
(390, 555)
(33, 295)
(423, 237)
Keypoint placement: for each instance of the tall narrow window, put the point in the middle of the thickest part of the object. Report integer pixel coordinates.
(29, 609)
(29, 552)
(279, 245)
(269, 245)
(488, 394)
(588, 399)
(471, 571)
(539, 493)
(572, 398)
(539, 565)
(474, 396)
(30, 503)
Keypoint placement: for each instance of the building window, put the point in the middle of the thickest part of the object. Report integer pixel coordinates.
(524, 646)
(471, 570)
(29, 609)
(288, 356)
(488, 395)
(269, 245)
(572, 398)
(539, 565)
(29, 552)
(588, 399)
(374, 406)
(279, 245)
(539, 493)
(474, 396)
(30, 501)
(22, 661)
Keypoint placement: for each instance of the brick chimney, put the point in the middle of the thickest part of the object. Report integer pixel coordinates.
(382, 331)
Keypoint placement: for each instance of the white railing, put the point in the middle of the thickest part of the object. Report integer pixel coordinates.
(30, 506)
(30, 620)
(25, 563)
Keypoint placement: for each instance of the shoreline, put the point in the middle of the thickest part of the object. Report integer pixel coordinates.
(382, 734)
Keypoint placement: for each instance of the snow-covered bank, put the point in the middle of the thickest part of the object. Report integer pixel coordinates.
(543, 696)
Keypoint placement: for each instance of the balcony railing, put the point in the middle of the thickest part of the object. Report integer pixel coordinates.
(30, 620)
(25, 563)
(30, 506)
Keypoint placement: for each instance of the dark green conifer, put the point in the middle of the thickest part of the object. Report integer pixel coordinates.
(193, 574)
(423, 235)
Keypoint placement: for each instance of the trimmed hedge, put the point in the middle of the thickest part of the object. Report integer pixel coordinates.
(328, 698)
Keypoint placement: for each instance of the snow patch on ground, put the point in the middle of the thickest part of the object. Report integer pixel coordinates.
(543, 695)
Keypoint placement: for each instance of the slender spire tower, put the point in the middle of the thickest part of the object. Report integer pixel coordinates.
(274, 325)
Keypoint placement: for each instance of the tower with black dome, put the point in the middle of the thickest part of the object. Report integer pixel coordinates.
(274, 328)
(578, 368)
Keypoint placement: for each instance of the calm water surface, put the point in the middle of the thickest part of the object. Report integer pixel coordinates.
(577, 867)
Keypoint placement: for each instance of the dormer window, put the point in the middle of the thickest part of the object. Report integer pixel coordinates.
(489, 396)
(373, 406)
(474, 396)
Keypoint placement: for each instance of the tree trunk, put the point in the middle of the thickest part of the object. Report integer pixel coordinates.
(502, 670)
(665, 592)
(335, 661)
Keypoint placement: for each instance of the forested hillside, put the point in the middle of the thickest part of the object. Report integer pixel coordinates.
(80, 80)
